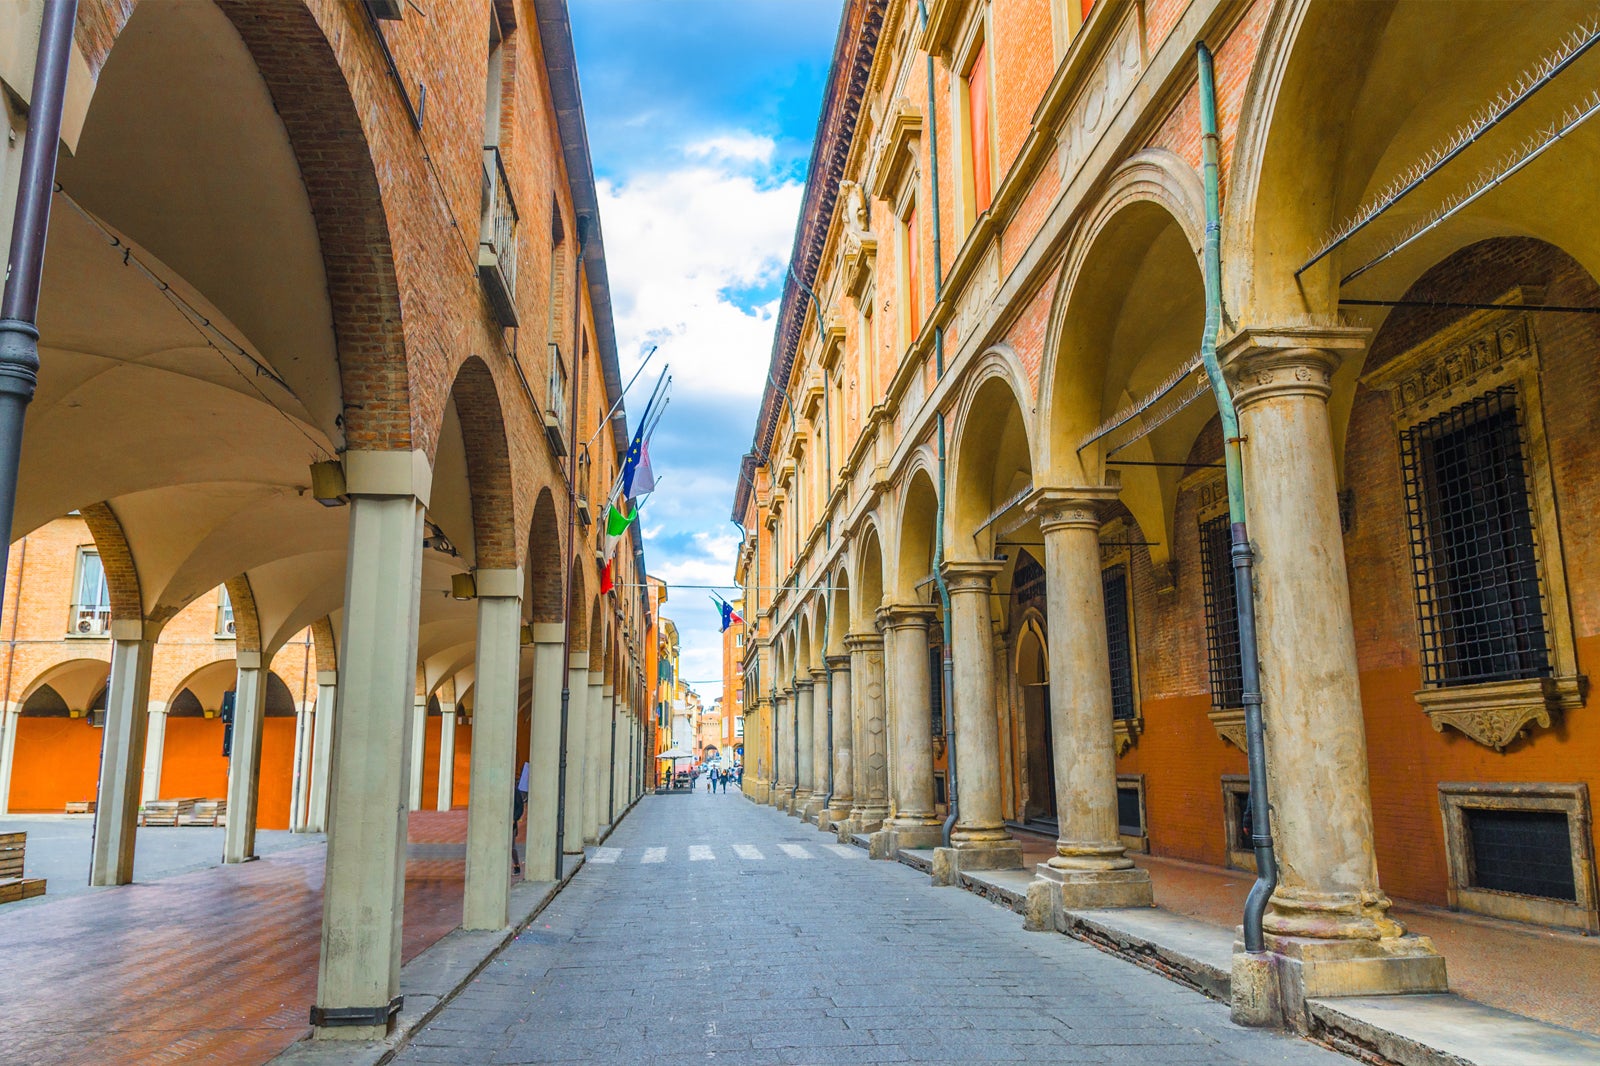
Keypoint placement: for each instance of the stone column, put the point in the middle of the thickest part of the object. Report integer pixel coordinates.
(10, 715)
(498, 657)
(914, 824)
(979, 840)
(841, 798)
(363, 897)
(544, 753)
(322, 749)
(608, 767)
(244, 760)
(1091, 868)
(577, 751)
(784, 783)
(871, 742)
(116, 813)
(300, 773)
(155, 738)
(598, 720)
(419, 750)
(805, 752)
(1328, 903)
(444, 797)
(821, 751)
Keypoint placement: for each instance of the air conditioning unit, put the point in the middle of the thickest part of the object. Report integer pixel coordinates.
(86, 623)
(583, 509)
(553, 433)
(229, 627)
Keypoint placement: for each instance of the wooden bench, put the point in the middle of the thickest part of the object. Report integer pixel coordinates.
(80, 807)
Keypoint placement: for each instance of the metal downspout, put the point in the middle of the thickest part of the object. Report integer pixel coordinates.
(947, 662)
(19, 310)
(1243, 557)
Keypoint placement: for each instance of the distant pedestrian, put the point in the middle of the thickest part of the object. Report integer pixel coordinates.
(519, 806)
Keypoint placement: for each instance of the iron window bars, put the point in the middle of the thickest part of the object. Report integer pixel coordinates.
(1475, 561)
(1222, 612)
(1114, 586)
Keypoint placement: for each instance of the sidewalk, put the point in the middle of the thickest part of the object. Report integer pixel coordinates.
(1520, 990)
(215, 965)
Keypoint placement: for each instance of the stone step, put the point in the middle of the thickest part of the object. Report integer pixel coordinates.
(1445, 1030)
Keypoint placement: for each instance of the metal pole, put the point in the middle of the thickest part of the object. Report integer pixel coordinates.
(19, 309)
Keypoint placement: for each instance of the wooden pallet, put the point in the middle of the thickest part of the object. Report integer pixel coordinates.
(80, 807)
(206, 812)
(12, 848)
(13, 889)
(165, 812)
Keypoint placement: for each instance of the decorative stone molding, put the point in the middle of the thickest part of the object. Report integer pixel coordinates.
(1124, 731)
(897, 151)
(1457, 798)
(1105, 87)
(1498, 712)
(907, 615)
(1081, 506)
(1229, 724)
(971, 576)
(1262, 364)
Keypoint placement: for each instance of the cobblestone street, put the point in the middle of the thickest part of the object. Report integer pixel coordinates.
(714, 930)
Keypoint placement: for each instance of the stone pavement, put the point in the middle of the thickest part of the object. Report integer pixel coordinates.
(710, 929)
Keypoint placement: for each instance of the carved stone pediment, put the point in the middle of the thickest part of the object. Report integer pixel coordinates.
(898, 150)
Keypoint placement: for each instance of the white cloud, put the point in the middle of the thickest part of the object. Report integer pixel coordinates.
(678, 242)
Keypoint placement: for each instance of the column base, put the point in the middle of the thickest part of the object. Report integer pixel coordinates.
(1055, 891)
(837, 813)
(797, 802)
(910, 834)
(948, 863)
(867, 819)
(813, 807)
(1271, 989)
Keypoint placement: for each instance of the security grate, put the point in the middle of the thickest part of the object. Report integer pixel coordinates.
(1527, 852)
(1114, 585)
(936, 688)
(1129, 820)
(1474, 558)
(1222, 612)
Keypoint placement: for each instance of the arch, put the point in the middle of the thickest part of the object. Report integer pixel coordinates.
(246, 621)
(919, 513)
(542, 596)
(480, 419)
(993, 447)
(322, 640)
(839, 610)
(801, 663)
(869, 578)
(206, 684)
(577, 608)
(73, 682)
(1342, 100)
(280, 702)
(116, 559)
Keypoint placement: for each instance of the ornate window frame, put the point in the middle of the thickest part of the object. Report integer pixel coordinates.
(1236, 790)
(1211, 500)
(1139, 842)
(1456, 798)
(1479, 352)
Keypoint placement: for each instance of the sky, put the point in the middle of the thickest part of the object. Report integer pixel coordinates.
(700, 116)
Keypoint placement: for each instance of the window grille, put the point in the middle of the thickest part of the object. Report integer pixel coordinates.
(1222, 612)
(1527, 852)
(1114, 585)
(936, 686)
(1475, 562)
(1130, 818)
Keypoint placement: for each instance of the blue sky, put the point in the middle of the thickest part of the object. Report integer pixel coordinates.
(700, 117)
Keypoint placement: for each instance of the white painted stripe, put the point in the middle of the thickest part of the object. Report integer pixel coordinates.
(606, 855)
(654, 855)
(700, 853)
(845, 851)
(747, 851)
(795, 851)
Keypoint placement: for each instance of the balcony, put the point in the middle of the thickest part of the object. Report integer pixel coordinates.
(497, 240)
(555, 403)
(89, 620)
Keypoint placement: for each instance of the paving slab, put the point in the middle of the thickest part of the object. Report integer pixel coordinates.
(1446, 1030)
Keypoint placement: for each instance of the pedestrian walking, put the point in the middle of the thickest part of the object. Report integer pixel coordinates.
(519, 807)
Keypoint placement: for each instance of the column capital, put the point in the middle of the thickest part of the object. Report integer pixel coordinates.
(389, 473)
(802, 683)
(499, 583)
(327, 677)
(819, 676)
(971, 575)
(838, 662)
(247, 660)
(868, 641)
(907, 615)
(1261, 363)
(1075, 506)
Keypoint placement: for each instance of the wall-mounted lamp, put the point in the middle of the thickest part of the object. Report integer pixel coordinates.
(327, 483)
(525, 634)
(463, 587)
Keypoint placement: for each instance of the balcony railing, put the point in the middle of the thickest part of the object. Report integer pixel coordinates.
(89, 620)
(497, 239)
(555, 403)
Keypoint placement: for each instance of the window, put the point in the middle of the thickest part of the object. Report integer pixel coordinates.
(1131, 812)
(911, 275)
(867, 378)
(1475, 560)
(976, 90)
(1114, 585)
(1222, 611)
(225, 625)
(91, 606)
(497, 231)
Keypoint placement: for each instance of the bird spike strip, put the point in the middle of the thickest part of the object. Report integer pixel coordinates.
(1490, 177)
(1140, 406)
(1530, 81)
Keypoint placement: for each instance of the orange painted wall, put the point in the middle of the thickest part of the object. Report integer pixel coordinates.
(192, 765)
(1183, 763)
(57, 761)
(277, 771)
(463, 779)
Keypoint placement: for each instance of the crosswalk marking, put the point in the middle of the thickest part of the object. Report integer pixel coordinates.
(700, 853)
(795, 851)
(747, 851)
(708, 853)
(845, 851)
(606, 855)
(654, 855)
